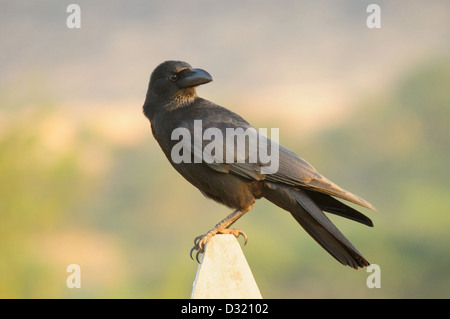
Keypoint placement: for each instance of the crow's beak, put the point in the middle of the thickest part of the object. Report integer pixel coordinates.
(193, 77)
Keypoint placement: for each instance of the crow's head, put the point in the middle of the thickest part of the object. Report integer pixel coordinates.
(172, 84)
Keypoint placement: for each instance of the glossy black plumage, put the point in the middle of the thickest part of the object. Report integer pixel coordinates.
(297, 187)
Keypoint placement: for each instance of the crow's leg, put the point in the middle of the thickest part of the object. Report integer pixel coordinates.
(220, 228)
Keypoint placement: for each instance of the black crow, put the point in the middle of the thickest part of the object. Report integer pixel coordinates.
(174, 109)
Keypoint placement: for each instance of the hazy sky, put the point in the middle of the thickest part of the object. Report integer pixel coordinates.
(278, 56)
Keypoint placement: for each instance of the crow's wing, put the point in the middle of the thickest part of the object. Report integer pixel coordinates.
(295, 171)
(209, 146)
(226, 147)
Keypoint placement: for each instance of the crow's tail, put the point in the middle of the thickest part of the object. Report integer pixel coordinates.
(309, 215)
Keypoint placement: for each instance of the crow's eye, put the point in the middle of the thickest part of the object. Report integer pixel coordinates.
(173, 77)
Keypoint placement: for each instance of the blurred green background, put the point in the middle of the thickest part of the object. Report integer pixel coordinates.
(83, 181)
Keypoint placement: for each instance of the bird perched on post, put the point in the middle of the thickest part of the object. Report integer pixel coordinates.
(174, 108)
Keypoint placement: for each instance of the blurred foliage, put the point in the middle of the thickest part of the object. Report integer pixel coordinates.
(69, 195)
(397, 149)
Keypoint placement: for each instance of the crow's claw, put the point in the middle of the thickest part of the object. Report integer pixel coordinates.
(199, 245)
(200, 241)
(237, 233)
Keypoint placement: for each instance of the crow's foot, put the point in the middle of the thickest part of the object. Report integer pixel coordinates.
(200, 241)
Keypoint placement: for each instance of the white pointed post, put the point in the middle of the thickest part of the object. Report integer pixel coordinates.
(224, 272)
